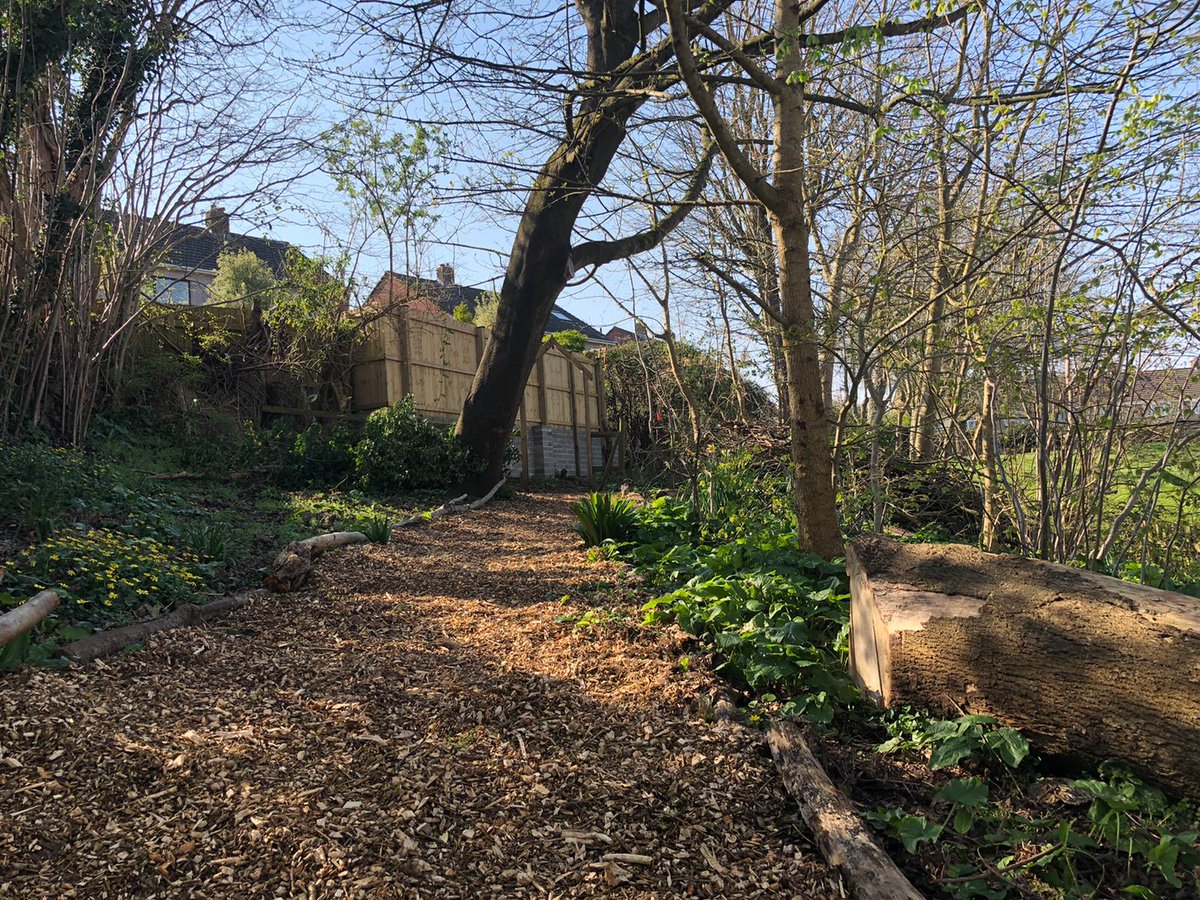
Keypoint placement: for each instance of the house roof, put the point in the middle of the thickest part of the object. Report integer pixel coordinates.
(1166, 385)
(196, 248)
(449, 296)
(619, 335)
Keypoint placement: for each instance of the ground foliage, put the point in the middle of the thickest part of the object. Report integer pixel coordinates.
(119, 544)
(966, 805)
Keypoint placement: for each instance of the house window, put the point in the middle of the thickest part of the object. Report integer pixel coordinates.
(172, 290)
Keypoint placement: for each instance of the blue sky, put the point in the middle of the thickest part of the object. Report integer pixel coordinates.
(476, 241)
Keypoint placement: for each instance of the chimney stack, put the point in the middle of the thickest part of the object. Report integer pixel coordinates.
(217, 221)
(445, 275)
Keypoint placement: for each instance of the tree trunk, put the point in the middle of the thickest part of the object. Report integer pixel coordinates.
(990, 537)
(812, 464)
(540, 262)
(1088, 667)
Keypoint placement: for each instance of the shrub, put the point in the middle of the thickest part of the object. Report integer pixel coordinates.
(316, 455)
(603, 517)
(109, 574)
(401, 450)
(571, 339)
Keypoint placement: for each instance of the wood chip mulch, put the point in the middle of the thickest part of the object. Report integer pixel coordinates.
(416, 722)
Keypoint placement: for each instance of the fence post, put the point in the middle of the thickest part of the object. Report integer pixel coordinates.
(403, 339)
(541, 392)
(574, 413)
(524, 444)
(587, 429)
(601, 400)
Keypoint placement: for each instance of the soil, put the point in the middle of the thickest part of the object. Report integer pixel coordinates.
(422, 719)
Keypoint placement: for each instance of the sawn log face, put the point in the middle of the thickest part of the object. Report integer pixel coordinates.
(1089, 667)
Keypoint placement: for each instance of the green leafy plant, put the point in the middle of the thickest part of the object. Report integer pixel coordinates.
(964, 795)
(953, 741)
(604, 517)
(44, 488)
(377, 529)
(108, 574)
(208, 540)
(910, 830)
(400, 450)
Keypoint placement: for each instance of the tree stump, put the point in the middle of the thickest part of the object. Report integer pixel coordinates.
(1088, 667)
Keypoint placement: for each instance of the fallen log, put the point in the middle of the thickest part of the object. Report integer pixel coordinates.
(108, 642)
(28, 615)
(425, 518)
(448, 507)
(1088, 667)
(840, 834)
(483, 501)
(294, 563)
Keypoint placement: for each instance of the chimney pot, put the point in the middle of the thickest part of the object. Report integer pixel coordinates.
(217, 221)
(445, 275)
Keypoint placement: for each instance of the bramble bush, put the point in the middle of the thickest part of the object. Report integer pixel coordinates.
(316, 456)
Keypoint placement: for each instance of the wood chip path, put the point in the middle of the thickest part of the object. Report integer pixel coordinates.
(417, 722)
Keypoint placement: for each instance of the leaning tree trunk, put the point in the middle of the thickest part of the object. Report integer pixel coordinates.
(1088, 667)
(540, 262)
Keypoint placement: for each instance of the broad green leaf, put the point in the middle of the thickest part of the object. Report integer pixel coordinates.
(1009, 744)
(916, 830)
(953, 751)
(967, 792)
(963, 820)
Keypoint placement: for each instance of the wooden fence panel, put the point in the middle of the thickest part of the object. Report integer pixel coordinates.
(434, 358)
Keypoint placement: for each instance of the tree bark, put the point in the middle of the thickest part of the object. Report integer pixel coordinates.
(29, 614)
(990, 536)
(844, 841)
(811, 458)
(1088, 667)
(926, 413)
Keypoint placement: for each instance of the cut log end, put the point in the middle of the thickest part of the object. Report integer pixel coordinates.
(295, 562)
(950, 628)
